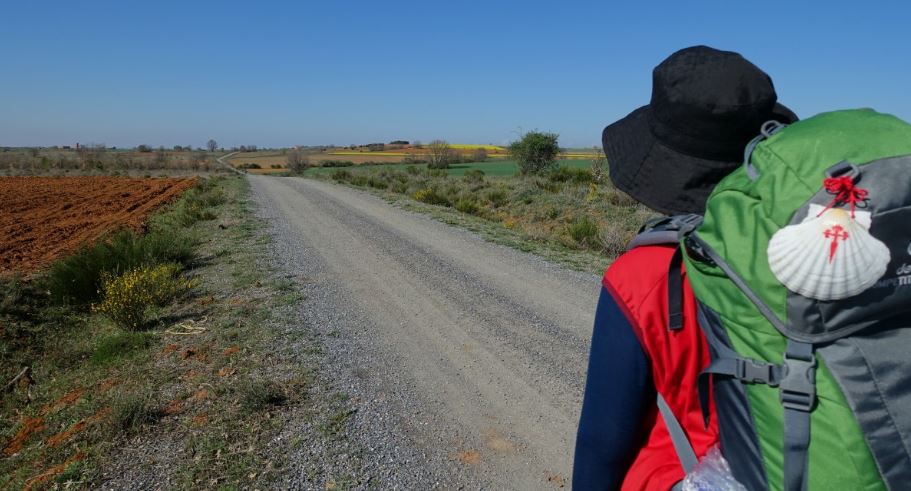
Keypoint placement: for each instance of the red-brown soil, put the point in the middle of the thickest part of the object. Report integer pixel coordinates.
(44, 477)
(43, 218)
(29, 427)
(67, 399)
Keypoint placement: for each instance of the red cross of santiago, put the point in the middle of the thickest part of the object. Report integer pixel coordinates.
(836, 233)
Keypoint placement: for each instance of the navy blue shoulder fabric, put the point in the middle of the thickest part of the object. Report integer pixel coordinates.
(618, 392)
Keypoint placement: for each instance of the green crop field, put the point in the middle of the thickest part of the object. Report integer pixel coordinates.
(490, 168)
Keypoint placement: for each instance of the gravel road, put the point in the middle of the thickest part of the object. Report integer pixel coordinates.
(465, 360)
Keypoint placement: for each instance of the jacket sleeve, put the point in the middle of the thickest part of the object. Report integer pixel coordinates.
(618, 391)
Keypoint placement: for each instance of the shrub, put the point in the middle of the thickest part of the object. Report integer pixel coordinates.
(535, 151)
(296, 161)
(452, 189)
(399, 187)
(584, 231)
(340, 175)
(474, 176)
(130, 412)
(77, 279)
(11, 294)
(413, 170)
(569, 174)
(619, 198)
(440, 155)
(413, 159)
(593, 192)
(497, 197)
(377, 183)
(430, 196)
(599, 166)
(336, 163)
(548, 185)
(468, 205)
(616, 238)
(127, 298)
(250, 165)
(196, 205)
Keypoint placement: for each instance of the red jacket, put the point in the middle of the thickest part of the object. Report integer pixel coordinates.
(638, 282)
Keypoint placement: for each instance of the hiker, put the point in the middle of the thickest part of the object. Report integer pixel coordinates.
(706, 106)
(760, 340)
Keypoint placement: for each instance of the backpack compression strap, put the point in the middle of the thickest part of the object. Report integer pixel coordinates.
(682, 446)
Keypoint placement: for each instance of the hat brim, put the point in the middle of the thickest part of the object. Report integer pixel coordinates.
(658, 176)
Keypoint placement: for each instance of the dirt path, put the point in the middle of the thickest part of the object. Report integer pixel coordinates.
(466, 360)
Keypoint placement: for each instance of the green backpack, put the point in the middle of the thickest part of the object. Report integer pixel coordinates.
(812, 389)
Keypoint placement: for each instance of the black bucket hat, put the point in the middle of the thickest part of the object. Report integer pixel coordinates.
(706, 106)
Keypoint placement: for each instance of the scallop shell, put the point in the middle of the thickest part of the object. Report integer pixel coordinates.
(829, 256)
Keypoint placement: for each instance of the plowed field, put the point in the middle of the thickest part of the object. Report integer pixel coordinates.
(42, 218)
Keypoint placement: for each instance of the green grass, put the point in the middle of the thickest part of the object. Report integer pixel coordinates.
(119, 344)
(130, 412)
(499, 168)
(261, 394)
(336, 421)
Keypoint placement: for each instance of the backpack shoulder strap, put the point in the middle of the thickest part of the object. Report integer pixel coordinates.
(670, 231)
(665, 230)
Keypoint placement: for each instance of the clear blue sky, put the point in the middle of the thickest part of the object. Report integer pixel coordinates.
(341, 72)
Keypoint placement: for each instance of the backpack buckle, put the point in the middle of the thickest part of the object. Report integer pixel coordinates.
(756, 372)
(798, 383)
(695, 250)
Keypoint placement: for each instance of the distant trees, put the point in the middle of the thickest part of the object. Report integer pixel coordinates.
(535, 151)
(440, 155)
(99, 157)
(297, 162)
(376, 147)
(144, 148)
(161, 157)
(479, 155)
(399, 142)
(91, 155)
(212, 145)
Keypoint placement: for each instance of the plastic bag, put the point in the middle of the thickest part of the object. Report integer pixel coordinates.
(712, 473)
